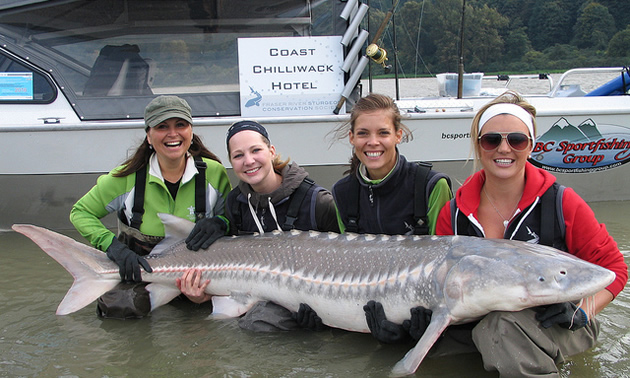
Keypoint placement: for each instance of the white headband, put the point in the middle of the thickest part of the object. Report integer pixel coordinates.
(511, 109)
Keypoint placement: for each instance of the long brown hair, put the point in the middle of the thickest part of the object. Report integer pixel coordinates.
(141, 156)
(368, 104)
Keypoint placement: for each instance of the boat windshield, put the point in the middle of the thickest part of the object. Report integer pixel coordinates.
(110, 57)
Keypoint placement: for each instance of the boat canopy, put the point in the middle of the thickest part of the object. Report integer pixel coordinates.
(109, 58)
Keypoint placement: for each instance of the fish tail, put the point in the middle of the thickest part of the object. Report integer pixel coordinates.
(94, 274)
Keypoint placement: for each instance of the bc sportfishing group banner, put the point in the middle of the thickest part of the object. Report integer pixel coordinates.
(587, 147)
(290, 76)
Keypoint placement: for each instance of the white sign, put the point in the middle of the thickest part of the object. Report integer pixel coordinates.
(285, 76)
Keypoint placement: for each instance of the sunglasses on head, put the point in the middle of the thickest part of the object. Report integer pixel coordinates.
(490, 141)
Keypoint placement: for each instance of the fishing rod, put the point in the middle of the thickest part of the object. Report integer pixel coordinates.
(460, 76)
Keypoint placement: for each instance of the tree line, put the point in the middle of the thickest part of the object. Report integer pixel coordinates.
(504, 35)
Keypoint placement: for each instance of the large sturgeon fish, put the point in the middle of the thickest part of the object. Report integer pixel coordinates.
(460, 278)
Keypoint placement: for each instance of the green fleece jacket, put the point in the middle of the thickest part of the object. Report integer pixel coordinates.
(111, 194)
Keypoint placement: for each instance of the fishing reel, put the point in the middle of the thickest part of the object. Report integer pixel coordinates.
(378, 55)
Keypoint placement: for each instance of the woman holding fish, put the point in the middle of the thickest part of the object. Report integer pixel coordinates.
(272, 194)
(170, 172)
(512, 199)
(386, 194)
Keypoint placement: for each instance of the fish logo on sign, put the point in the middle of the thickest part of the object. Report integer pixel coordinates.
(254, 101)
(585, 148)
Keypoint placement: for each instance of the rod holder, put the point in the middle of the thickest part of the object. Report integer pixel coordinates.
(352, 82)
(354, 51)
(347, 10)
(354, 25)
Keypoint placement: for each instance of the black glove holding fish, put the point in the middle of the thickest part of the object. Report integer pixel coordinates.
(128, 261)
(417, 325)
(205, 232)
(307, 318)
(567, 315)
(389, 332)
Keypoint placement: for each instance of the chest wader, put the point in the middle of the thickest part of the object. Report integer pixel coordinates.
(130, 300)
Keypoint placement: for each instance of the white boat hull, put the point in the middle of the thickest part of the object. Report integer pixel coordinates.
(43, 184)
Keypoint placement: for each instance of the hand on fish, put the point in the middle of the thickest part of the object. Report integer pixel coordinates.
(567, 315)
(191, 286)
(128, 261)
(307, 318)
(417, 325)
(205, 232)
(389, 332)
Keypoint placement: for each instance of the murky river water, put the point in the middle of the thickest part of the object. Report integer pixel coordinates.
(178, 340)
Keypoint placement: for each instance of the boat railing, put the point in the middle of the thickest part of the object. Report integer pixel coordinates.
(595, 70)
(561, 88)
(509, 78)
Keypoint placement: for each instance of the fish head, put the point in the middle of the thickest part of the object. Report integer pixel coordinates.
(505, 275)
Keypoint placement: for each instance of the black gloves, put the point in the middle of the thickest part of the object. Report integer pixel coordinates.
(307, 318)
(206, 232)
(566, 315)
(388, 332)
(382, 329)
(417, 325)
(128, 261)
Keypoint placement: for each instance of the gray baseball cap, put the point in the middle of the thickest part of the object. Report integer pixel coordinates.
(162, 108)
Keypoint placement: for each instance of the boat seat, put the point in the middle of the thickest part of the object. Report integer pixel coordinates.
(120, 71)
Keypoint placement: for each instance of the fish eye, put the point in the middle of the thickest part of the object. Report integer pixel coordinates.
(541, 279)
(563, 272)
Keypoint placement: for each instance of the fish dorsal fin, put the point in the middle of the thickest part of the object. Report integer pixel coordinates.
(176, 230)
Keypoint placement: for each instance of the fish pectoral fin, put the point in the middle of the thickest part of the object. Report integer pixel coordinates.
(161, 294)
(231, 307)
(409, 364)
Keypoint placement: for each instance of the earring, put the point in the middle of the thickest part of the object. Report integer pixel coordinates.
(150, 146)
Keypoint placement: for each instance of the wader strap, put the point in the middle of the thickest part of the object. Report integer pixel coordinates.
(548, 217)
(200, 188)
(353, 209)
(295, 203)
(138, 201)
(140, 188)
(236, 210)
(421, 226)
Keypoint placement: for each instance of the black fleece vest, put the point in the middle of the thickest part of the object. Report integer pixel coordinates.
(303, 199)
